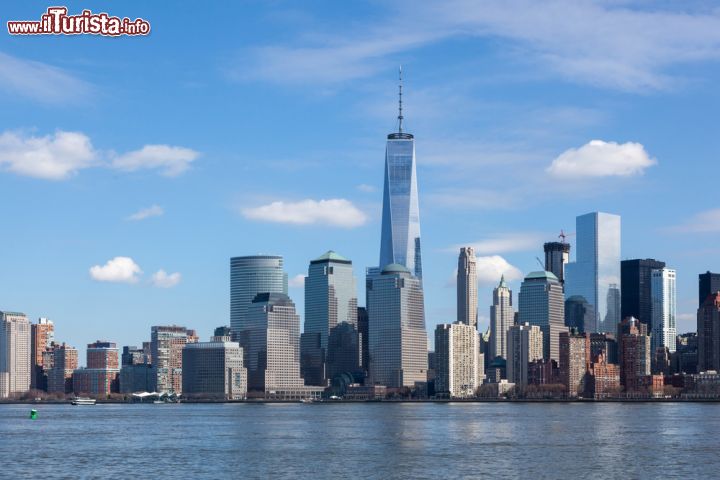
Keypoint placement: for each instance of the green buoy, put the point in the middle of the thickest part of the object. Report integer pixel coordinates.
(33, 414)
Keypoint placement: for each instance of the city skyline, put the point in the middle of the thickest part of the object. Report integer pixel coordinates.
(111, 203)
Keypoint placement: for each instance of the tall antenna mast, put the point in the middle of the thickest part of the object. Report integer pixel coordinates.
(400, 115)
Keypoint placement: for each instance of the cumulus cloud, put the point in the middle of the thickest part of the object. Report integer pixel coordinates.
(298, 281)
(118, 270)
(336, 212)
(491, 268)
(51, 157)
(602, 159)
(171, 161)
(511, 242)
(143, 213)
(163, 279)
(702, 222)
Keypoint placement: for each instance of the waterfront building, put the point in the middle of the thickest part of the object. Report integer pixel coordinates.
(250, 275)
(636, 281)
(456, 360)
(65, 362)
(603, 378)
(330, 299)
(100, 377)
(214, 369)
(42, 336)
(362, 316)
(708, 284)
(496, 370)
(136, 378)
(541, 303)
(557, 255)
(708, 330)
(595, 274)
(167, 343)
(634, 353)
(344, 354)
(467, 300)
(15, 354)
(400, 237)
(574, 362)
(131, 355)
(525, 345)
(543, 372)
(664, 303)
(579, 314)
(502, 317)
(685, 358)
(396, 330)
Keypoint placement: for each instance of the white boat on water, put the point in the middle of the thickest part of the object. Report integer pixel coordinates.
(83, 401)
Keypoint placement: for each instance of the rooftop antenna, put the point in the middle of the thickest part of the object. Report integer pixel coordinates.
(400, 115)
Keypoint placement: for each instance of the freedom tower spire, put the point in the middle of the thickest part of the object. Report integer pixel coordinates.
(400, 238)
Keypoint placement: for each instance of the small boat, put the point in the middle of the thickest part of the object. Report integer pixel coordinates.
(83, 401)
(306, 400)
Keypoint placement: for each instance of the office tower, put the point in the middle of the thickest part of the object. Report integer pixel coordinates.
(344, 353)
(708, 330)
(15, 361)
(502, 317)
(166, 343)
(400, 239)
(541, 303)
(136, 371)
(330, 299)
(456, 360)
(214, 370)
(635, 279)
(595, 274)
(685, 358)
(604, 342)
(557, 254)
(579, 314)
(396, 325)
(364, 339)
(42, 336)
(65, 362)
(249, 276)
(708, 284)
(223, 331)
(467, 304)
(525, 345)
(574, 361)
(663, 309)
(603, 377)
(100, 377)
(270, 340)
(634, 353)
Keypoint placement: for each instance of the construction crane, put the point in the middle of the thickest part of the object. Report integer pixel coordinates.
(563, 235)
(542, 265)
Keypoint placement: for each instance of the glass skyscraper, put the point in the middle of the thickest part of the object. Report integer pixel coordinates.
(664, 309)
(595, 275)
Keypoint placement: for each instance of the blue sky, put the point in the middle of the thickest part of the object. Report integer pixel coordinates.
(165, 150)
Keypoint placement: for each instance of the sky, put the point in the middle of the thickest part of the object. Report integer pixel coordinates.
(133, 168)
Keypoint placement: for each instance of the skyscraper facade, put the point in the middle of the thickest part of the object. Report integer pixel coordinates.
(574, 361)
(249, 276)
(214, 369)
(634, 353)
(100, 377)
(708, 284)
(400, 238)
(557, 254)
(664, 309)
(579, 314)
(167, 343)
(457, 373)
(397, 338)
(636, 280)
(467, 303)
(330, 299)
(42, 335)
(65, 362)
(595, 275)
(502, 317)
(708, 330)
(525, 345)
(541, 303)
(15, 361)
(344, 353)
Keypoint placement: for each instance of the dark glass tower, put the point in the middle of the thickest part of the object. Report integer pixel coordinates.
(635, 299)
(708, 283)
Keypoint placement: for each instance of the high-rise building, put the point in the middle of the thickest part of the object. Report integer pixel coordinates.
(708, 284)
(223, 331)
(502, 317)
(364, 338)
(344, 353)
(456, 360)
(467, 302)
(15, 361)
(557, 254)
(708, 330)
(595, 275)
(400, 239)
(634, 353)
(136, 371)
(330, 299)
(574, 362)
(100, 377)
(525, 345)
(249, 276)
(214, 369)
(664, 309)
(167, 343)
(131, 355)
(541, 303)
(579, 314)
(42, 336)
(635, 279)
(397, 338)
(65, 362)
(604, 342)
(603, 377)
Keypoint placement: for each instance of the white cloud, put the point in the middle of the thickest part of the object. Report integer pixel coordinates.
(364, 187)
(40, 81)
(511, 242)
(163, 279)
(52, 157)
(602, 159)
(491, 268)
(298, 281)
(171, 161)
(702, 222)
(119, 269)
(336, 212)
(143, 213)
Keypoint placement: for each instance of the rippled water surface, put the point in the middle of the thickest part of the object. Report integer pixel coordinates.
(468, 440)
